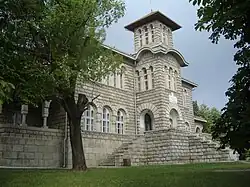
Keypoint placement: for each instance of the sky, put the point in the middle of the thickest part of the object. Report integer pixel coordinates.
(211, 66)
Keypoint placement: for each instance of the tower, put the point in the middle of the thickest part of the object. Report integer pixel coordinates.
(154, 30)
(157, 73)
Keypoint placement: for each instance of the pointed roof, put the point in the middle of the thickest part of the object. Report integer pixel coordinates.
(156, 15)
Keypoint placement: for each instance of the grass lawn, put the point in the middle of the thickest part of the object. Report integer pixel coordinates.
(190, 175)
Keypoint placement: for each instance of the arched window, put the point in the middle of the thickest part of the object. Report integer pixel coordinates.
(145, 78)
(174, 118)
(198, 130)
(105, 120)
(88, 119)
(120, 122)
(170, 79)
(175, 80)
(152, 76)
(138, 80)
(187, 127)
(146, 34)
(152, 33)
(140, 36)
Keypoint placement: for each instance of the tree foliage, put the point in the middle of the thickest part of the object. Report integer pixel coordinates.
(211, 115)
(49, 45)
(231, 19)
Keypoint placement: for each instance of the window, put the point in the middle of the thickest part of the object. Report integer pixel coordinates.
(170, 80)
(174, 118)
(140, 36)
(185, 94)
(152, 33)
(138, 80)
(120, 122)
(88, 119)
(105, 120)
(148, 122)
(164, 35)
(187, 127)
(146, 35)
(145, 78)
(107, 79)
(152, 76)
(198, 130)
(114, 79)
(122, 77)
(175, 80)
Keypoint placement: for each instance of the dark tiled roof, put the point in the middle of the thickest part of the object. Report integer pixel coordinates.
(189, 82)
(152, 17)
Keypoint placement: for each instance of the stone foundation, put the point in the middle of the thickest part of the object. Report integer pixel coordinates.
(31, 147)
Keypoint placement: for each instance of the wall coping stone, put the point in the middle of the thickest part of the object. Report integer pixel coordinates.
(29, 128)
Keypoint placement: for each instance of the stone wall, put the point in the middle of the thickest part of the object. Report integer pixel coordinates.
(30, 147)
(98, 146)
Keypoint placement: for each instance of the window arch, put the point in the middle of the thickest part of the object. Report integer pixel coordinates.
(144, 70)
(145, 28)
(88, 119)
(140, 36)
(138, 80)
(120, 122)
(152, 33)
(152, 76)
(105, 120)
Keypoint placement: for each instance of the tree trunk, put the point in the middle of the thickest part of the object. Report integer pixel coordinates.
(74, 115)
(78, 157)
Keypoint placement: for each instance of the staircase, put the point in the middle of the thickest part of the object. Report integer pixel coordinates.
(203, 149)
(132, 150)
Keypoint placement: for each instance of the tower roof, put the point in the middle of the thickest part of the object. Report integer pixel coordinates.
(156, 15)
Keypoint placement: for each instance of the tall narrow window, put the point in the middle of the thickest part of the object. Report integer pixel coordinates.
(185, 94)
(107, 80)
(152, 33)
(88, 119)
(138, 80)
(145, 78)
(175, 80)
(152, 76)
(120, 122)
(146, 35)
(170, 75)
(140, 37)
(105, 120)
(165, 35)
(114, 79)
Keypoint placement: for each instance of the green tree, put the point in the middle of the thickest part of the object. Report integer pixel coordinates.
(47, 46)
(211, 115)
(231, 19)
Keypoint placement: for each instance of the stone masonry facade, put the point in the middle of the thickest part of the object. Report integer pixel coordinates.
(143, 116)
